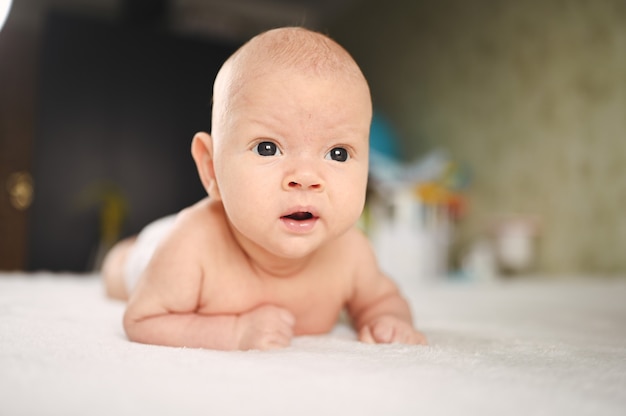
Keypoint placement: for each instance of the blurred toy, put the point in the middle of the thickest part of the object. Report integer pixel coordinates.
(411, 211)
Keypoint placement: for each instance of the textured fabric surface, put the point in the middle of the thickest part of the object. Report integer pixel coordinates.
(518, 348)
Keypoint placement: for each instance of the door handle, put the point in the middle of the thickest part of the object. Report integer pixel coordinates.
(21, 191)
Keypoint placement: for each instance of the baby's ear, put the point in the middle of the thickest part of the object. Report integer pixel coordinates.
(202, 152)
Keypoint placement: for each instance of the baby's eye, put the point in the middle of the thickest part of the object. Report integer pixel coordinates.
(267, 149)
(338, 154)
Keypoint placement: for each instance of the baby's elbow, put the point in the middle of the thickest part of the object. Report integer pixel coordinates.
(132, 326)
(145, 328)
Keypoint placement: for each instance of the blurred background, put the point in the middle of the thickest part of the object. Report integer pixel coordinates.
(499, 136)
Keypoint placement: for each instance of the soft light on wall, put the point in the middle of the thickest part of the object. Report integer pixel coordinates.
(5, 6)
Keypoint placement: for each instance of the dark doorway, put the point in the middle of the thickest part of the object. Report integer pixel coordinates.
(118, 108)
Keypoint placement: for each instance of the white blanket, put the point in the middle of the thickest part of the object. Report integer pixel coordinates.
(518, 348)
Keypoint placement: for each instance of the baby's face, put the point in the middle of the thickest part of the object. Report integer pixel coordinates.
(291, 160)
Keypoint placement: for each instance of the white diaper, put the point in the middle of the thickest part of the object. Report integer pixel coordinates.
(143, 249)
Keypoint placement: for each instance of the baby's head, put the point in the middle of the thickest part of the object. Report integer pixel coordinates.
(288, 151)
(291, 50)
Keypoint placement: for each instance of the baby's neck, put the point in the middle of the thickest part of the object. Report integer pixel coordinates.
(269, 265)
(283, 269)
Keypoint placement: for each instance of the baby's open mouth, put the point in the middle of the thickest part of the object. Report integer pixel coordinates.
(299, 216)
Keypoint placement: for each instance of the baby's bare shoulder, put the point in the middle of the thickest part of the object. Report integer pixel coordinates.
(356, 245)
(191, 249)
(198, 228)
(354, 251)
(197, 218)
(359, 253)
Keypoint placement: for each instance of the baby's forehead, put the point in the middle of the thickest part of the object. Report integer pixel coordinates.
(293, 49)
(290, 52)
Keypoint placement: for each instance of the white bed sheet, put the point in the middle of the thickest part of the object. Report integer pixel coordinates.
(527, 347)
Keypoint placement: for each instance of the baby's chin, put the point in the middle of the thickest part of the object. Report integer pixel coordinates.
(296, 247)
(293, 250)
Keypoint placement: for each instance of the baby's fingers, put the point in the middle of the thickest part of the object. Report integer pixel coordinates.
(408, 335)
(387, 331)
(266, 327)
(365, 335)
(418, 338)
(378, 333)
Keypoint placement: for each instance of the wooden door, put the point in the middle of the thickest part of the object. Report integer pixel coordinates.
(18, 75)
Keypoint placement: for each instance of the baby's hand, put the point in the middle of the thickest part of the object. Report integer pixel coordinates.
(266, 327)
(389, 329)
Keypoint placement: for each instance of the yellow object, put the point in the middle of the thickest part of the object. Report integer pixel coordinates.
(432, 193)
(112, 216)
(112, 212)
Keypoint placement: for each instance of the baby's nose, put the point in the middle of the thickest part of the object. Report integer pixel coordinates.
(303, 179)
(300, 185)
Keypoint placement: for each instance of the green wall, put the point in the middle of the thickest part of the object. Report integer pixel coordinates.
(531, 94)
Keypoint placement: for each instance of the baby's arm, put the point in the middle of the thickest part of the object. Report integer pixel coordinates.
(165, 309)
(379, 312)
(388, 320)
(265, 327)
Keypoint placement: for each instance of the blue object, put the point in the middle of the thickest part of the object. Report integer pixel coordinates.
(383, 139)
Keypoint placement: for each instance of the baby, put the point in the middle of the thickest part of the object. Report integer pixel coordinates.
(273, 252)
